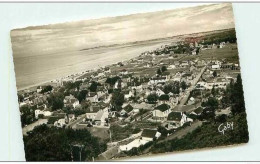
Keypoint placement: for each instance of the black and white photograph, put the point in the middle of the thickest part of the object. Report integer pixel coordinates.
(130, 86)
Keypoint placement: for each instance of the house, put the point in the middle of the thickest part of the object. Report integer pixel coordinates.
(226, 111)
(60, 123)
(101, 117)
(123, 113)
(194, 52)
(107, 70)
(119, 84)
(161, 112)
(192, 68)
(156, 80)
(123, 72)
(140, 106)
(159, 92)
(71, 117)
(197, 112)
(191, 101)
(71, 101)
(177, 119)
(184, 64)
(83, 87)
(134, 144)
(150, 135)
(92, 112)
(101, 90)
(39, 89)
(176, 63)
(215, 67)
(221, 83)
(92, 97)
(129, 94)
(45, 113)
(128, 108)
(172, 66)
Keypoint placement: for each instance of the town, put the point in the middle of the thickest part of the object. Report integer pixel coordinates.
(129, 106)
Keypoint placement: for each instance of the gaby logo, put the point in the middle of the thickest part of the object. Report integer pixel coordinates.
(225, 126)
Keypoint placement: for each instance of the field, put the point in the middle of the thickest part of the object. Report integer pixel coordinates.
(229, 52)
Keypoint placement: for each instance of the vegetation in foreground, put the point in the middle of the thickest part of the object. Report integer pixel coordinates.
(59, 144)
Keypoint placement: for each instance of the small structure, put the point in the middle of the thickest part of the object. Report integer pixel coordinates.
(150, 135)
(161, 112)
(177, 119)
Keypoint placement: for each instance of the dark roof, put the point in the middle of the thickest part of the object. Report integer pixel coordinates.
(100, 88)
(59, 115)
(92, 94)
(174, 116)
(93, 109)
(199, 110)
(158, 78)
(128, 108)
(163, 107)
(149, 133)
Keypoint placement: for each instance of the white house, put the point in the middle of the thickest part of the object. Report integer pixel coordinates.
(177, 119)
(130, 94)
(150, 135)
(60, 123)
(45, 113)
(92, 97)
(101, 117)
(215, 67)
(159, 92)
(71, 100)
(92, 112)
(156, 80)
(172, 66)
(161, 112)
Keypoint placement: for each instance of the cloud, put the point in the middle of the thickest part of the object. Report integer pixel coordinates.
(122, 29)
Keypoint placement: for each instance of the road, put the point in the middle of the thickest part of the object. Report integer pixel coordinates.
(193, 85)
(74, 123)
(31, 126)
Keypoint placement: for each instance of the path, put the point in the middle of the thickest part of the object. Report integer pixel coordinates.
(31, 126)
(74, 123)
(178, 134)
(193, 85)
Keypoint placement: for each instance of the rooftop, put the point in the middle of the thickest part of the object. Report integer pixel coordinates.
(149, 133)
(163, 107)
(174, 116)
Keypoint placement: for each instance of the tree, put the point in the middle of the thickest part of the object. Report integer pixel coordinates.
(183, 85)
(207, 113)
(159, 72)
(117, 100)
(164, 68)
(212, 103)
(55, 100)
(172, 87)
(112, 81)
(46, 89)
(93, 86)
(213, 91)
(237, 97)
(215, 74)
(82, 95)
(57, 144)
(27, 115)
(164, 97)
(152, 98)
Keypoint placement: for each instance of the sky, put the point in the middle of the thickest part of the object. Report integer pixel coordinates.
(76, 35)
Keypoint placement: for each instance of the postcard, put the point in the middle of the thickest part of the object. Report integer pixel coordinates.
(130, 85)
